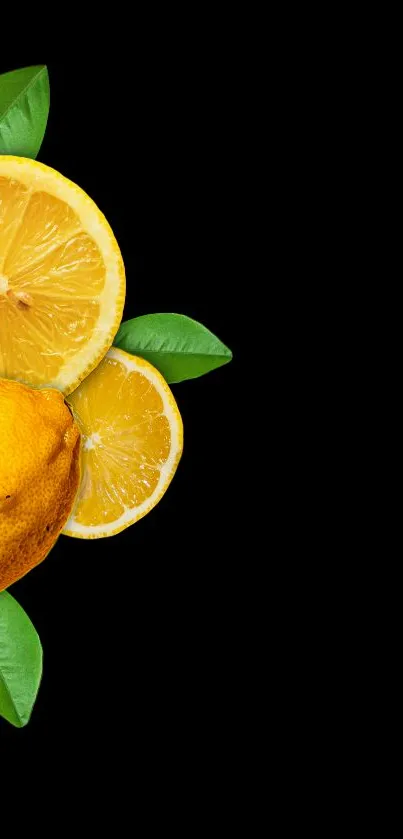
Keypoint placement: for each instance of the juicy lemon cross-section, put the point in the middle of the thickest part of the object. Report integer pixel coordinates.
(62, 279)
(132, 439)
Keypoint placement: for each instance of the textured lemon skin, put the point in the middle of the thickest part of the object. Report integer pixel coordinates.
(39, 475)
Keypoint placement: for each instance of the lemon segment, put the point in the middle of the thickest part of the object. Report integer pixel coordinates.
(132, 440)
(62, 279)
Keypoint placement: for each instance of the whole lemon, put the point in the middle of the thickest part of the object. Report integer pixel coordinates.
(39, 475)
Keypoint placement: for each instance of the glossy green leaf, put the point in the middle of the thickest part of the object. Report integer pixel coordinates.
(20, 662)
(24, 108)
(180, 348)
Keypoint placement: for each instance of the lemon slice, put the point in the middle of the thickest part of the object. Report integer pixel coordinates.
(132, 440)
(62, 280)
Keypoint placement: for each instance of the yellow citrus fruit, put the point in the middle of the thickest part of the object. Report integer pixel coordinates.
(62, 280)
(39, 475)
(132, 440)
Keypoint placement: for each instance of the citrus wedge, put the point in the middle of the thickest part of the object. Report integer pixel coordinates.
(132, 440)
(62, 280)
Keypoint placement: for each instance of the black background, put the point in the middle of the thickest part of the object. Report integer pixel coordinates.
(141, 632)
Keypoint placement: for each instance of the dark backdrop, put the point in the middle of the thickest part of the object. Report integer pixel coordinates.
(140, 631)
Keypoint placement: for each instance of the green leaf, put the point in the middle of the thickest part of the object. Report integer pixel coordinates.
(24, 108)
(179, 347)
(20, 662)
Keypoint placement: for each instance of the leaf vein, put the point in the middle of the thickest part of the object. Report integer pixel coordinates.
(22, 92)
